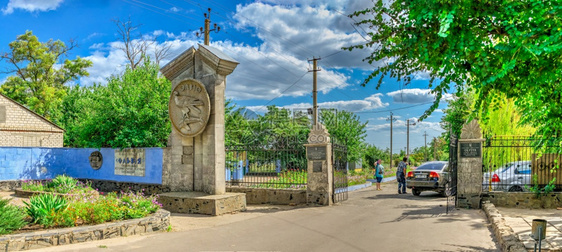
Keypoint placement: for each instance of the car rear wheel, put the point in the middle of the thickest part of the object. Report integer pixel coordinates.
(515, 189)
(448, 191)
(416, 192)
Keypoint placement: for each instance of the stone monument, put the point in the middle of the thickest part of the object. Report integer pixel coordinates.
(469, 167)
(320, 175)
(196, 162)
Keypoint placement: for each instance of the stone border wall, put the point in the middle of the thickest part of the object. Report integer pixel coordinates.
(159, 221)
(114, 186)
(506, 237)
(524, 200)
(10, 185)
(271, 196)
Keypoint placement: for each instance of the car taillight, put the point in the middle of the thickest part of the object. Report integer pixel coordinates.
(410, 174)
(433, 174)
(495, 178)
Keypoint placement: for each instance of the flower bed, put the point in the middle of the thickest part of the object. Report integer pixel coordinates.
(80, 206)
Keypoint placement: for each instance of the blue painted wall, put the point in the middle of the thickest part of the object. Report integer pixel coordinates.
(21, 163)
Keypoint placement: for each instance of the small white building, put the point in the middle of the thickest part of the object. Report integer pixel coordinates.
(21, 127)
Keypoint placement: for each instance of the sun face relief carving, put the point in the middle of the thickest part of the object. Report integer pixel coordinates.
(189, 107)
(471, 130)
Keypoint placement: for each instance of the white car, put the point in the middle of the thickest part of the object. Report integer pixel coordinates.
(513, 177)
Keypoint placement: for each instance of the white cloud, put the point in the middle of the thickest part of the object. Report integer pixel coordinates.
(175, 9)
(31, 5)
(277, 67)
(304, 31)
(415, 96)
(371, 102)
(97, 46)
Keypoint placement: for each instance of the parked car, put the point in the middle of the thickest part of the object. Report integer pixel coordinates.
(512, 178)
(430, 176)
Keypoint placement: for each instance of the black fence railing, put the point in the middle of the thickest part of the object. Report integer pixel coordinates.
(513, 164)
(339, 164)
(275, 163)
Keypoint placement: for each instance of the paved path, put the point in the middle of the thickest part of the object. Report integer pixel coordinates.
(369, 221)
(520, 220)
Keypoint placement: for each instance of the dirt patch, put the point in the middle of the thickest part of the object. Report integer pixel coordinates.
(14, 199)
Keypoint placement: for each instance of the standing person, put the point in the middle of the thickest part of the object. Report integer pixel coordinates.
(401, 175)
(379, 173)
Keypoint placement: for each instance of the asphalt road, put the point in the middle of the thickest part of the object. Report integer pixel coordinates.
(368, 221)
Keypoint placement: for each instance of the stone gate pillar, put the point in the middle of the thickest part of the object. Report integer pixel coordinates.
(320, 175)
(469, 168)
(196, 108)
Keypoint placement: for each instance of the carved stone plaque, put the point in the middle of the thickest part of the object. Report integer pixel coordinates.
(316, 166)
(189, 107)
(96, 160)
(316, 153)
(471, 150)
(130, 162)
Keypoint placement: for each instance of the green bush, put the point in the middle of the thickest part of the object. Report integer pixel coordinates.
(137, 205)
(11, 217)
(62, 184)
(43, 207)
(33, 185)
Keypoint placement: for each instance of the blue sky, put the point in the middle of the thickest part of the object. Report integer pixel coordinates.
(272, 39)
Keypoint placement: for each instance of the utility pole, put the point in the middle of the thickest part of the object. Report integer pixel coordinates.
(205, 32)
(391, 119)
(314, 90)
(425, 149)
(408, 137)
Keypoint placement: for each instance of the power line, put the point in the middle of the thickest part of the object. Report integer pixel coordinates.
(286, 89)
(390, 110)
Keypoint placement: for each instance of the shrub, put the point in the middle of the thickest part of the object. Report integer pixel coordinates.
(11, 217)
(62, 184)
(137, 205)
(42, 208)
(33, 185)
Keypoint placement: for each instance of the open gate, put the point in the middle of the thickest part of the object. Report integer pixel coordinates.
(339, 164)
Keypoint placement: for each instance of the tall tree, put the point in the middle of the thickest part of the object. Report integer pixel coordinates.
(40, 72)
(131, 111)
(495, 48)
(346, 128)
(136, 46)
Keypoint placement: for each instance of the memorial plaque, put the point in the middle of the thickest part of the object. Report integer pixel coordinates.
(96, 160)
(130, 162)
(316, 153)
(189, 108)
(317, 166)
(469, 150)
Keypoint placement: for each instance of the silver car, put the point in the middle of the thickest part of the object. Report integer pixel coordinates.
(430, 176)
(513, 178)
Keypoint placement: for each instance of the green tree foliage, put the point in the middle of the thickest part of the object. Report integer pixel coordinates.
(371, 154)
(40, 74)
(495, 48)
(131, 111)
(345, 128)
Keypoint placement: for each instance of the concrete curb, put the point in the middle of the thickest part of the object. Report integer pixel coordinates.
(158, 221)
(507, 239)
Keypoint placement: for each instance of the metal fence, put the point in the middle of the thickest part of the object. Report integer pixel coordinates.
(513, 164)
(339, 164)
(272, 162)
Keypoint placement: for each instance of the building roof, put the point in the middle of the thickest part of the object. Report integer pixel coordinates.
(33, 112)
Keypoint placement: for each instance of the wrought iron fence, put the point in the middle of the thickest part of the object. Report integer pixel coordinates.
(513, 164)
(339, 156)
(272, 162)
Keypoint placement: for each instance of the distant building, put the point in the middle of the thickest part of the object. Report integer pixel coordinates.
(22, 127)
